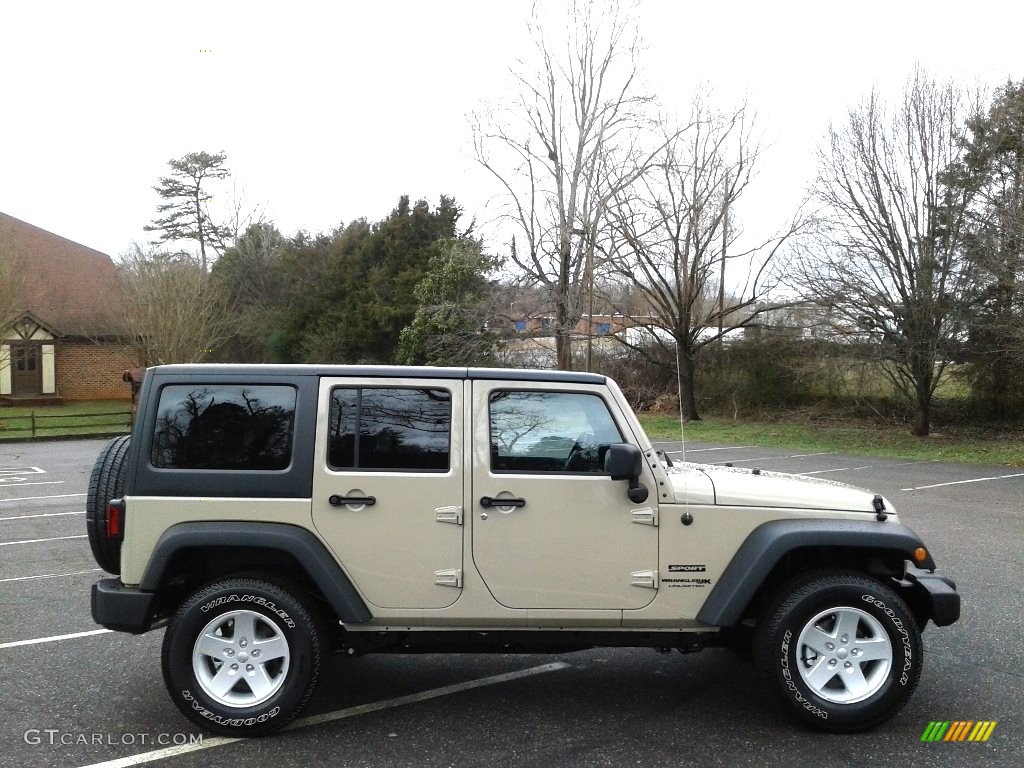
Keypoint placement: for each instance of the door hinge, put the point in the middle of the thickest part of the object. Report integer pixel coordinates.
(646, 579)
(448, 578)
(645, 516)
(449, 515)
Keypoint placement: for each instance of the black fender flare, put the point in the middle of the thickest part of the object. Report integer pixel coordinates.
(306, 548)
(769, 542)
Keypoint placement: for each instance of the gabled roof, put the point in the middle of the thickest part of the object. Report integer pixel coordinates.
(26, 324)
(69, 287)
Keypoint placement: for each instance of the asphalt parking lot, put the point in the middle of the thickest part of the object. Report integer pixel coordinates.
(74, 695)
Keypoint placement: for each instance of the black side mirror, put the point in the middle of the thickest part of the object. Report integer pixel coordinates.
(625, 462)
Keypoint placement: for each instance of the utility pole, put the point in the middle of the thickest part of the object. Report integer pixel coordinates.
(590, 302)
(589, 276)
(721, 277)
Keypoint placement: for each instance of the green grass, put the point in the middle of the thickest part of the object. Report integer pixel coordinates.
(863, 440)
(78, 418)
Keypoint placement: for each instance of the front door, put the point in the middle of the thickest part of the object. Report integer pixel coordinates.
(26, 369)
(550, 529)
(387, 487)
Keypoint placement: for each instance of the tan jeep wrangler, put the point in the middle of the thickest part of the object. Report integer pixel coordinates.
(269, 514)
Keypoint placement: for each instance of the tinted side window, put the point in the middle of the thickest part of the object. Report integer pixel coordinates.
(550, 432)
(216, 426)
(389, 429)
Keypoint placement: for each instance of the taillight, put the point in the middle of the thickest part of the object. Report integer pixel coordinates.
(115, 519)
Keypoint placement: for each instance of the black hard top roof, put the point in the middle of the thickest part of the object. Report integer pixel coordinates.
(383, 371)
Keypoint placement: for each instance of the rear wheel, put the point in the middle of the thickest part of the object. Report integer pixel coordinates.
(241, 657)
(842, 650)
(105, 483)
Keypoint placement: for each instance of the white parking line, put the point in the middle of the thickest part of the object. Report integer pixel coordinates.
(42, 514)
(22, 471)
(705, 450)
(841, 469)
(341, 714)
(20, 484)
(866, 466)
(774, 458)
(50, 575)
(34, 498)
(37, 541)
(961, 482)
(55, 638)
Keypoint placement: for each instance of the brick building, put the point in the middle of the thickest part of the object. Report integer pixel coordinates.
(59, 337)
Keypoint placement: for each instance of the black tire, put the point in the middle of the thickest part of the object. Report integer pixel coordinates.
(105, 483)
(876, 613)
(282, 610)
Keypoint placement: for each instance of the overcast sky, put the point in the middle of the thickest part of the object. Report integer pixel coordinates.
(329, 111)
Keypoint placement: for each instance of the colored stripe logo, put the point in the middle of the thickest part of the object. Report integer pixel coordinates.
(959, 730)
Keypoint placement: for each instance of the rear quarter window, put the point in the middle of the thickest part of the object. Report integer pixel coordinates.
(224, 427)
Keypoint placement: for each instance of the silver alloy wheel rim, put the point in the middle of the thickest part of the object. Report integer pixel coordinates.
(240, 659)
(844, 655)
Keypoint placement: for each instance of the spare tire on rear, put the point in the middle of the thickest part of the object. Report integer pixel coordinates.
(105, 483)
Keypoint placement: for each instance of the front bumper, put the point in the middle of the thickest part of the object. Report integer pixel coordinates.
(936, 594)
(122, 608)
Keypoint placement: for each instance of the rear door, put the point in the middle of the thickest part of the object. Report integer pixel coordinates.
(388, 484)
(550, 529)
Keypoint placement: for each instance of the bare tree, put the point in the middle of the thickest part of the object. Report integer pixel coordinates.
(890, 265)
(238, 219)
(566, 144)
(13, 284)
(13, 287)
(173, 310)
(672, 241)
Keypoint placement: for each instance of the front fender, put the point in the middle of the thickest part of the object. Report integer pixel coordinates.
(769, 542)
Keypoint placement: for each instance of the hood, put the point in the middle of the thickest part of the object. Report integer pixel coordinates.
(735, 486)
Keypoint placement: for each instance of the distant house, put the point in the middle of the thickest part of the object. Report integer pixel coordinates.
(600, 325)
(58, 332)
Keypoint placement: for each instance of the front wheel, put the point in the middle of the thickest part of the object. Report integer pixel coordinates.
(843, 651)
(241, 657)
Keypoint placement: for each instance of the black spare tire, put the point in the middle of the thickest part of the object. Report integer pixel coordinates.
(105, 483)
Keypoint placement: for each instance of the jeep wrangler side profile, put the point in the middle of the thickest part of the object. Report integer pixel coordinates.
(267, 515)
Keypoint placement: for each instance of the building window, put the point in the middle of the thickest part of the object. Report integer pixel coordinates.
(389, 429)
(222, 427)
(24, 359)
(603, 328)
(520, 325)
